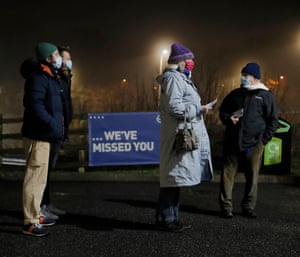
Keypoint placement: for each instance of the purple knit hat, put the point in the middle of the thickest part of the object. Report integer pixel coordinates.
(179, 53)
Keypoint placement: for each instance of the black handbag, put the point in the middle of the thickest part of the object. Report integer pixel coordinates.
(186, 139)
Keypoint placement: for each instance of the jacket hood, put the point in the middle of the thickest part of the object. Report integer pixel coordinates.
(28, 66)
(161, 77)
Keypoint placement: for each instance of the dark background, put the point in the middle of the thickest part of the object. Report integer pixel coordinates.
(124, 39)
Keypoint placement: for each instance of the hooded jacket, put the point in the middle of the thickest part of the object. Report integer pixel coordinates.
(43, 110)
(258, 123)
(189, 168)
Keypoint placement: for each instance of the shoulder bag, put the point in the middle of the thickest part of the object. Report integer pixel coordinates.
(186, 139)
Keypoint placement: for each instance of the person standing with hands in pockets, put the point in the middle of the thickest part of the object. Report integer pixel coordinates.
(178, 93)
(250, 116)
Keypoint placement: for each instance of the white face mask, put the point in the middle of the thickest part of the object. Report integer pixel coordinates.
(58, 62)
(69, 64)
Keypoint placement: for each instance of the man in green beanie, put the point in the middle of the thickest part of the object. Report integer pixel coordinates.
(42, 125)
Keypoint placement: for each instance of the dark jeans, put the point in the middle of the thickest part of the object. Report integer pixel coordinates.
(168, 205)
(250, 163)
(54, 152)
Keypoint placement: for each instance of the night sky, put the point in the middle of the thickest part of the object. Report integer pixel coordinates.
(123, 39)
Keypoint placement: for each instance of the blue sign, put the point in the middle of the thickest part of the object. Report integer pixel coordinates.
(123, 138)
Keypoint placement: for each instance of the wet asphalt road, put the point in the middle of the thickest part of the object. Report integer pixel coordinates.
(116, 219)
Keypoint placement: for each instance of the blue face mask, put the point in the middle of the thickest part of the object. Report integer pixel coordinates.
(69, 64)
(58, 62)
(187, 72)
(245, 81)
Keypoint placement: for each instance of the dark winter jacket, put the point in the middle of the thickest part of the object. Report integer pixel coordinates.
(65, 81)
(43, 110)
(258, 123)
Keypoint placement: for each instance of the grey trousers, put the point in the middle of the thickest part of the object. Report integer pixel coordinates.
(250, 164)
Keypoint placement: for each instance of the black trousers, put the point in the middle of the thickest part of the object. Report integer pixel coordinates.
(54, 152)
(168, 205)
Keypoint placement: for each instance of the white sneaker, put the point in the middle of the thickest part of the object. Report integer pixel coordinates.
(46, 213)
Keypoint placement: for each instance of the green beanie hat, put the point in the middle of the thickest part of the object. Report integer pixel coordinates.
(44, 50)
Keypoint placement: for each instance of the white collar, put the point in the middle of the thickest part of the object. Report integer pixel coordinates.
(259, 85)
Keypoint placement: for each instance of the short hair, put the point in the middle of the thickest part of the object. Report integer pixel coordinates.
(62, 48)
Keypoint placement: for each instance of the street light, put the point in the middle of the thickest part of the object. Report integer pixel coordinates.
(123, 82)
(164, 52)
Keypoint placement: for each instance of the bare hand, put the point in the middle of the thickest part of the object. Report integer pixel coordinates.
(206, 108)
(234, 119)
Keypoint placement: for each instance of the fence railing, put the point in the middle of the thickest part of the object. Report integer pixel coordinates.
(73, 153)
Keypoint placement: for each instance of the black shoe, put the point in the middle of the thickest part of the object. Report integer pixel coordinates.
(226, 214)
(175, 227)
(249, 213)
(184, 226)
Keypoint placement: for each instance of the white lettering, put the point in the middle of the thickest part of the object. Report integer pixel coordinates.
(112, 147)
(119, 135)
(109, 135)
(131, 134)
(143, 146)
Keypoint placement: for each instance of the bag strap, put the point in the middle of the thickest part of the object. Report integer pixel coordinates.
(186, 112)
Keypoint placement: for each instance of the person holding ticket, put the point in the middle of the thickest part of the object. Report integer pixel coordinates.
(180, 100)
(250, 116)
